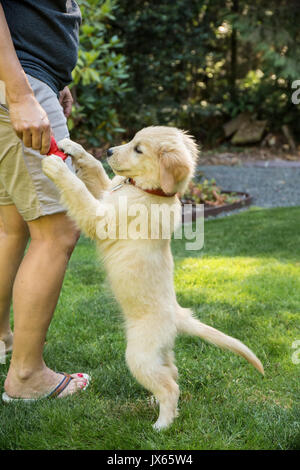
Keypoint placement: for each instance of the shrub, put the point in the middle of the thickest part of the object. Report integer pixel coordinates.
(100, 77)
(207, 192)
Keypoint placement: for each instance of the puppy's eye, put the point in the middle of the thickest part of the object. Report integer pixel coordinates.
(137, 149)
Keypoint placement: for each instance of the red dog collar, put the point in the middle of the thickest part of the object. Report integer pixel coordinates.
(157, 192)
(54, 150)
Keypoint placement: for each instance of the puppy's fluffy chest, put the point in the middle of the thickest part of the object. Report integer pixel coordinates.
(133, 214)
(139, 256)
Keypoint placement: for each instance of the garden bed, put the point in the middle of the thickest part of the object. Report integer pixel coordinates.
(244, 200)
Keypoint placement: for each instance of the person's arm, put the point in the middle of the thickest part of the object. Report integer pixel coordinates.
(28, 118)
(66, 101)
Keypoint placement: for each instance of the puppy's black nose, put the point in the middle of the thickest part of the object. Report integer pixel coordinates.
(109, 152)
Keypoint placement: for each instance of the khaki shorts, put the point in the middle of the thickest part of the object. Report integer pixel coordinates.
(22, 181)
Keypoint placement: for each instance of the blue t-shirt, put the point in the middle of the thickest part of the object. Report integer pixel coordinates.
(45, 36)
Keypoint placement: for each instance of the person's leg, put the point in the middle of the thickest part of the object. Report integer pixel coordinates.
(40, 275)
(35, 294)
(13, 239)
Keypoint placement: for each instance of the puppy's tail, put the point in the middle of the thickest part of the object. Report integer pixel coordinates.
(186, 323)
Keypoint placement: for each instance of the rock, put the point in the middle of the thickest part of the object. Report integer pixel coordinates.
(232, 126)
(289, 137)
(250, 132)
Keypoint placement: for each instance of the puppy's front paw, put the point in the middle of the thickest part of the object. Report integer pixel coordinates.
(54, 167)
(71, 148)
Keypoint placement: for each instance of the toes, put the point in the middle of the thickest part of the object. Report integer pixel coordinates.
(71, 148)
(79, 382)
(83, 380)
(52, 166)
(52, 160)
(64, 144)
(157, 426)
(160, 425)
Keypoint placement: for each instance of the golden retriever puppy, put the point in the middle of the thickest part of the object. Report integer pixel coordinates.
(150, 172)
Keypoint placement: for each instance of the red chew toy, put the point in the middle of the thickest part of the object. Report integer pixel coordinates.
(54, 150)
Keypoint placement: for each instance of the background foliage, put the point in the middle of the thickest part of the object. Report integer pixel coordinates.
(190, 63)
(100, 77)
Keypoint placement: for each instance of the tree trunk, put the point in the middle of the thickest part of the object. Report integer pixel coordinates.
(233, 65)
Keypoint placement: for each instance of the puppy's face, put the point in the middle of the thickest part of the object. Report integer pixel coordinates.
(157, 157)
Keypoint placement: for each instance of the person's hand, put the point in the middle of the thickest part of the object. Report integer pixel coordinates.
(66, 100)
(31, 123)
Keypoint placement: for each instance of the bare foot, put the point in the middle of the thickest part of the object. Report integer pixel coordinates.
(40, 383)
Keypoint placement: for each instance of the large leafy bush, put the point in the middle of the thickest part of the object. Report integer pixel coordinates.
(197, 63)
(190, 63)
(100, 77)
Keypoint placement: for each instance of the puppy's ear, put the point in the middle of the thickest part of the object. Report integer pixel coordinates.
(191, 145)
(173, 170)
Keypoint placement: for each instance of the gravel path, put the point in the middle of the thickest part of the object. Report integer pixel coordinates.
(270, 187)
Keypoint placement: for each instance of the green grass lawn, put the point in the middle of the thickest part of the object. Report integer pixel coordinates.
(246, 282)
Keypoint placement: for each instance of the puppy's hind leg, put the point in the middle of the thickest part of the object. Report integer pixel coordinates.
(146, 362)
(169, 361)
